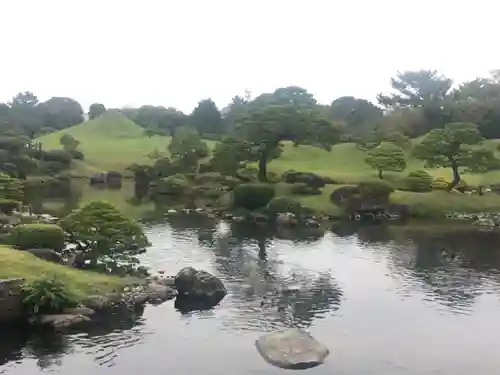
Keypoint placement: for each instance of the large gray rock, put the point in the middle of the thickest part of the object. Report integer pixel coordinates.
(97, 302)
(80, 310)
(199, 284)
(61, 321)
(291, 349)
(46, 254)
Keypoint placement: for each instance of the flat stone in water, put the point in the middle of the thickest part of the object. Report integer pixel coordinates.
(293, 349)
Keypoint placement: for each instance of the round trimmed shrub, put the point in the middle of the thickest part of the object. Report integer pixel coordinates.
(307, 178)
(59, 156)
(33, 236)
(253, 195)
(440, 184)
(419, 181)
(301, 188)
(375, 188)
(343, 194)
(284, 204)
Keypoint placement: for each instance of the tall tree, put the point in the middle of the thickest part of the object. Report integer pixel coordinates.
(360, 116)
(60, 113)
(24, 112)
(95, 110)
(206, 118)
(456, 146)
(424, 91)
(416, 89)
(234, 110)
(160, 120)
(478, 102)
(287, 114)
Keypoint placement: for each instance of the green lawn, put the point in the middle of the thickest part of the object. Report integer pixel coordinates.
(113, 142)
(16, 263)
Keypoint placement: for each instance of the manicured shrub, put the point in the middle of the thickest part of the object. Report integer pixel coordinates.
(8, 205)
(253, 195)
(51, 168)
(59, 156)
(32, 236)
(163, 167)
(375, 188)
(419, 181)
(58, 186)
(342, 194)
(206, 167)
(173, 185)
(308, 178)
(284, 204)
(10, 188)
(247, 174)
(301, 188)
(45, 296)
(440, 184)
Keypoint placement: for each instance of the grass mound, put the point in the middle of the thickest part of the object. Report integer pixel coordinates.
(109, 142)
(16, 263)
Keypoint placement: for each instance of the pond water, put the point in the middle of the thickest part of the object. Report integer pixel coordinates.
(384, 300)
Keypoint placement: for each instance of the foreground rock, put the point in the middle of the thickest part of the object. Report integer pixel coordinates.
(61, 321)
(199, 284)
(97, 302)
(293, 349)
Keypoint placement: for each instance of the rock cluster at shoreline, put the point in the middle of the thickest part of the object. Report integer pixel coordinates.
(189, 283)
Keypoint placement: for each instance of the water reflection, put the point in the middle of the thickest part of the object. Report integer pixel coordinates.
(453, 266)
(357, 284)
(107, 334)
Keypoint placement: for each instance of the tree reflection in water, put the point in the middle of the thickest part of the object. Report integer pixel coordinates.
(453, 266)
(264, 293)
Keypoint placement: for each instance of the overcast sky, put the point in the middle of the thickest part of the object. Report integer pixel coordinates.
(174, 53)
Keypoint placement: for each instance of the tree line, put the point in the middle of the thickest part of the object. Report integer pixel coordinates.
(419, 102)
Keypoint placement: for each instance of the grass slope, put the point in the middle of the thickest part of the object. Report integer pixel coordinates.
(113, 142)
(15, 263)
(109, 142)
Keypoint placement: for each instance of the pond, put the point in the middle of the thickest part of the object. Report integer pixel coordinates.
(384, 300)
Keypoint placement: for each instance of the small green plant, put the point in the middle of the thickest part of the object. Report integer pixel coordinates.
(46, 295)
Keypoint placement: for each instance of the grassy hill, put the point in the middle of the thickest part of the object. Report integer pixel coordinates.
(113, 142)
(109, 142)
